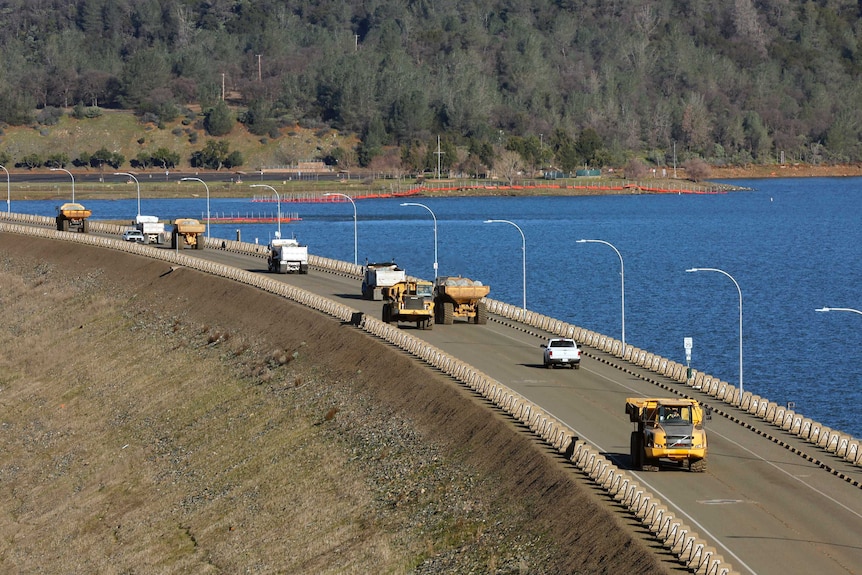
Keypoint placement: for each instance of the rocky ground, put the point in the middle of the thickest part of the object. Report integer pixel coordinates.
(158, 421)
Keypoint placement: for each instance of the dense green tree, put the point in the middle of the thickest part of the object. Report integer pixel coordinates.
(165, 158)
(588, 146)
(371, 144)
(258, 118)
(30, 161)
(213, 156)
(104, 156)
(219, 120)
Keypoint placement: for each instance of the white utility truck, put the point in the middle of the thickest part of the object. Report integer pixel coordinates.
(379, 277)
(287, 255)
(152, 228)
(562, 351)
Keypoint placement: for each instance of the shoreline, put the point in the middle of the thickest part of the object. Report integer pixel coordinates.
(719, 181)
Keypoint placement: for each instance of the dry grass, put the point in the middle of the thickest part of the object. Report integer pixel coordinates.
(121, 448)
(123, 132)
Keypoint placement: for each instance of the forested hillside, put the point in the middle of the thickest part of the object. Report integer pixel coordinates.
(557, 82)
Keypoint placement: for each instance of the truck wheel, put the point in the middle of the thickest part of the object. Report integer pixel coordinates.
(64, 226)
(303, 269)
(481, 314)
(85, 226)
(448, 313)
(636, 448)
(199, 244)
(385, 314)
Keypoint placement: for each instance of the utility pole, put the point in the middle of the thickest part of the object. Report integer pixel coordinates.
(439, 153)
(259, 76)
(674, 159)
(222, 86)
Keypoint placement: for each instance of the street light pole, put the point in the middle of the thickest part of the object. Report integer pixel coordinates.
(137, 185)
(8, 191)
(622, 283)
(277, 199)
(208, 197)
(523, 254)
(355, 251)
(850, 309)
(71, 176)
(435, 230)
(740, 317)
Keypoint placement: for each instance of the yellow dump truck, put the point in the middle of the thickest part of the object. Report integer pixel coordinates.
(188, 232)
(72, 217)
(460, 297)
(667, 429)
(409, 301)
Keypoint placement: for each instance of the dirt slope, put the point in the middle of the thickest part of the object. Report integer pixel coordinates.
(169, 422)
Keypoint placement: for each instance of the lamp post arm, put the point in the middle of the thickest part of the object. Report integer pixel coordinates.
(434, 217)
(523, 254)
(71, 176)
(850, 309)
(355, 235)
(277, 199)
(207, 188)
(622, 284)
(739, 290)
(137, 185)
(8, 190)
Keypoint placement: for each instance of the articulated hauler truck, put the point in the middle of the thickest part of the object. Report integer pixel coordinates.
(72, 217)
(460, 297)
(188, 232)
(409, 301)
(667, 429)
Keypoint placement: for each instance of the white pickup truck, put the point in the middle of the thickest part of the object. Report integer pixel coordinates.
(562, 351)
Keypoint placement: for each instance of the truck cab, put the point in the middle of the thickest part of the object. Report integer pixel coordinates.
(667, 428)
(410, 301)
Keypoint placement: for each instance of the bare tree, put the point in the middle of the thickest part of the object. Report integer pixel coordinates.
(509, 165)
(697, 169)
(635, 169)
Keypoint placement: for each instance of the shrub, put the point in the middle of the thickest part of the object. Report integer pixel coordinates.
(635, 169)
(49, 115)
(697, 169)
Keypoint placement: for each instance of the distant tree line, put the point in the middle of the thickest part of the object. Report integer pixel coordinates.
(561, 83)
(214, 155)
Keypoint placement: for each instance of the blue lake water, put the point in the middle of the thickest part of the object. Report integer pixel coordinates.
(792, 245)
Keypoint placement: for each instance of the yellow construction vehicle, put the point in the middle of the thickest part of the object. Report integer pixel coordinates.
(188, 232)
(72, 217)
(460, 297)
(667, 429)
(409, 301)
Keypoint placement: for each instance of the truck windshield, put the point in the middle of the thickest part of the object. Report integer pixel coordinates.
(675, 415)
(424, 291)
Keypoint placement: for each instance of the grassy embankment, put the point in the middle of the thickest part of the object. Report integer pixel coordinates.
(151, 424)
